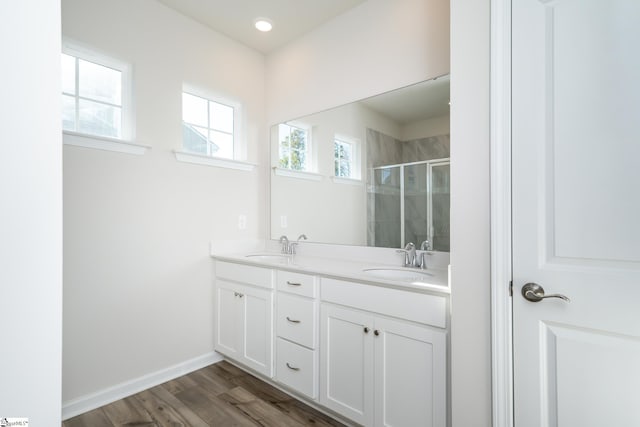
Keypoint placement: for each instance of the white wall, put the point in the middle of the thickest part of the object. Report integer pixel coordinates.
(378, 46)
(30, 212)
(137, 271)
(470, 199)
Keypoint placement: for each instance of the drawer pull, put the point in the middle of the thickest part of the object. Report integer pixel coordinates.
(293, 368)
(292, 321)
(293, 283)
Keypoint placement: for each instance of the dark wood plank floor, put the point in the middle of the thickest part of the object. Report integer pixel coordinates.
(218, 395)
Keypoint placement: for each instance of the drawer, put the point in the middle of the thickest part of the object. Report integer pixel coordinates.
(414, 306)
(296, 319)
(296, 367)
(256, 276)
(297, 283)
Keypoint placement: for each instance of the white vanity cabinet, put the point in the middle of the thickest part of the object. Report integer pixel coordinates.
(244, 315)
(378, 370)
(297, 331)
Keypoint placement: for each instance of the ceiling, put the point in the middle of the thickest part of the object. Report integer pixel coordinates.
(291, 18)
(412, 103)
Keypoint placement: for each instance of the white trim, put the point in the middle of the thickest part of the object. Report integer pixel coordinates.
(501, 274)
(103, 143)
(119, 391)
(349, 181)
(201, 159)
(310, 176)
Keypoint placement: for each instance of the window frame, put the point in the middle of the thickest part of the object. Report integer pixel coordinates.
(81, 51)
(309, 160)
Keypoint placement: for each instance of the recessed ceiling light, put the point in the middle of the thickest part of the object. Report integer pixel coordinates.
(263, 24)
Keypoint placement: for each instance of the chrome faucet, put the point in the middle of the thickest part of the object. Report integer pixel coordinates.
(409, 252)
(286, 247)
(294, 245)
(413, 258)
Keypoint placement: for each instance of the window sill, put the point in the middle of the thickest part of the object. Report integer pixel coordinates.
(348, 181)
(103, 143)
(199, 159)
(309, 176)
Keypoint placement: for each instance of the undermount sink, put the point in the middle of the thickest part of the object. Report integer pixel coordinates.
(403, 274)
(269, 257)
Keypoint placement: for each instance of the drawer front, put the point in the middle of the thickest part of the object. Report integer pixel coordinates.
(256, 276)
(296, 319)
(296, 367)
(414, 306)
(297, 283)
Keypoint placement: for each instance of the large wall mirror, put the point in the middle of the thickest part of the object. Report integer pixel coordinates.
(370, 173)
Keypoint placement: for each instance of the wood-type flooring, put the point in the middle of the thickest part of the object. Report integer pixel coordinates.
(217, 395)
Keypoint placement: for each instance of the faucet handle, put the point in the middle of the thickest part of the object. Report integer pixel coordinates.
(425, 246)
(407, 261)
(409, 246)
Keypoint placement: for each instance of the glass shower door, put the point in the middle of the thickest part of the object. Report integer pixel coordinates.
(416, 215)
(440, 178)
(384, 216)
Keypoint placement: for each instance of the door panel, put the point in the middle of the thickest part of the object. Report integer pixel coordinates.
(410, 375)
(228, 326)
(576, 204)
(257, 329)
(346, 384)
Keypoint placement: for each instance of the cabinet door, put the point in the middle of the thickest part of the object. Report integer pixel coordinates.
(410, 375)
(346, 366)
(228, 340)
(257, 329)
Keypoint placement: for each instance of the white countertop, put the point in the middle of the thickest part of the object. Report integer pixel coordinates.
(435, 280)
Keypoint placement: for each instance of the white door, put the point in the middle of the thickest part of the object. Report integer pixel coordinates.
(229, 320)
(257, 323)
(346, 362)
(410, 375)
(576, 211)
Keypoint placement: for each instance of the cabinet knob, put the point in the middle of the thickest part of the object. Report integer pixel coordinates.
(376, 332)
(366, 330)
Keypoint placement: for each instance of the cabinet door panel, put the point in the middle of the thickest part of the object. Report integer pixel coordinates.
(410, 375)
(347, 363)
(258, 347)
(228, 327)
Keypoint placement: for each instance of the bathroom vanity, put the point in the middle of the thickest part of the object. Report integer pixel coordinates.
(366, 340)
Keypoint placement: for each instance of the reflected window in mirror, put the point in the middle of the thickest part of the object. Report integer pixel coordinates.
(343, 156)
(294, 145)
(207, 126)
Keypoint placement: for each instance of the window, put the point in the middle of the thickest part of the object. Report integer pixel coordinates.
(343, 153)
(294, 147)
(207, 126)
(94, 94)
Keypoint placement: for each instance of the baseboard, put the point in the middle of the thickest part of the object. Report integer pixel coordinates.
(119, 391)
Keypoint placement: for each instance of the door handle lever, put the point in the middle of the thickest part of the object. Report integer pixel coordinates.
(535, 293)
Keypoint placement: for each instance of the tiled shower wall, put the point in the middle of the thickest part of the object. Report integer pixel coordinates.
(383, 211)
